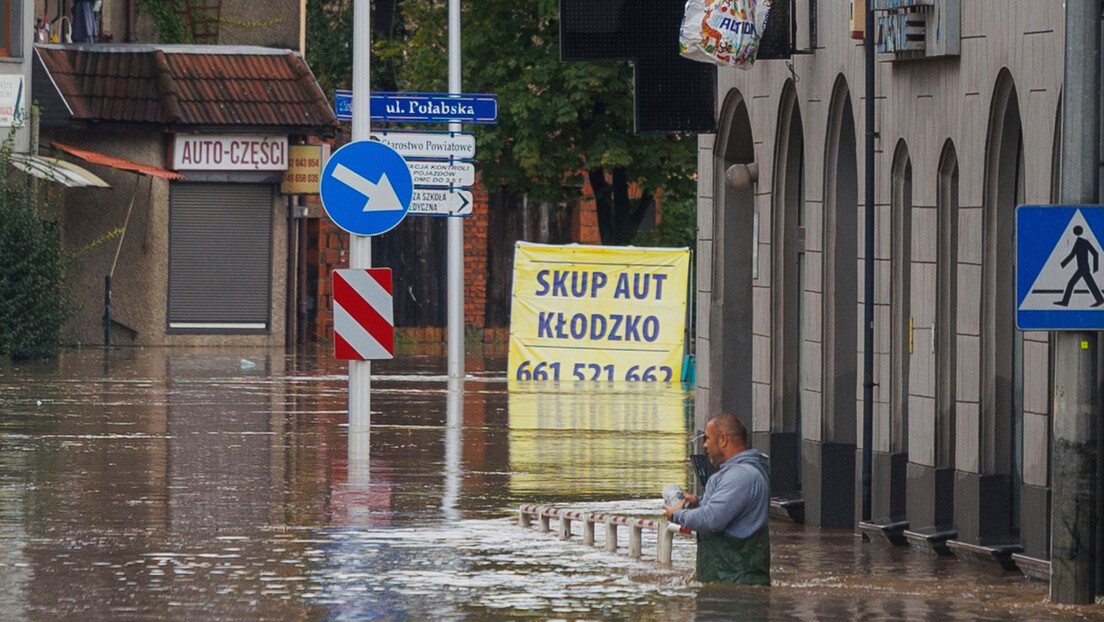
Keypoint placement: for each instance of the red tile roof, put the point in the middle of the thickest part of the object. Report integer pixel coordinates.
(181, 86)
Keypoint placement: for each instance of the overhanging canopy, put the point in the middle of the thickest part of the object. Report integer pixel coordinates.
(59, 171)
(119, 163)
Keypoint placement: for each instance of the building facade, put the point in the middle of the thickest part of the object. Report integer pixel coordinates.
(200, 248)
(962, 410)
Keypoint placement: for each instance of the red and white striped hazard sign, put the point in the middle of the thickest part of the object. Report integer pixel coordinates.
(364, 325)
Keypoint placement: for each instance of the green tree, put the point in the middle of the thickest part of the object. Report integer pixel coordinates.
(34, 301)
(558, 123)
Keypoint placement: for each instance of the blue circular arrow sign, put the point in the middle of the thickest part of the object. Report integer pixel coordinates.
(366, 188)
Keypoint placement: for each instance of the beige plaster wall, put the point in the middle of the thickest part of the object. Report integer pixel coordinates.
(924, 103)
(274, 23)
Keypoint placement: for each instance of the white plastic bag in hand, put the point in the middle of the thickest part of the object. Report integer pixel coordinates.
(723, 32)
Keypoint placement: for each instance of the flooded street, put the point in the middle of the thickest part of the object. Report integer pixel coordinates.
(217, 485)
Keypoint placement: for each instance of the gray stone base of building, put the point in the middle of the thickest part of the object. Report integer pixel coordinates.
(1035, 521)
(826, 477)
(981, 508)
(930, 501)
(783, 449)
(889, 485)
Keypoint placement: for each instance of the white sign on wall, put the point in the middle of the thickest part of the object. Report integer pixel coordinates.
(230, 152)
(12, 107)
(429, 144)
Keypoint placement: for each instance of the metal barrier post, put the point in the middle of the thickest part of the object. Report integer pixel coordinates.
(635, 537)
(565, 526)
(665, 538)
(588, 531)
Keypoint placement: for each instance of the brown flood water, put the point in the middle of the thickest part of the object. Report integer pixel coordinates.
(217, 485)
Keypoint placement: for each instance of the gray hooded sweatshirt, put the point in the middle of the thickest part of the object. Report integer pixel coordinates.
(736, 499)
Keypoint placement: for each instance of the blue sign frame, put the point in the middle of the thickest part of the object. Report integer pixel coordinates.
(1057, 287)
(474, 108)
(354, 193)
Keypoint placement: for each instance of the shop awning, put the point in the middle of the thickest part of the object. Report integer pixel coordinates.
(59, 171)
(119, 163)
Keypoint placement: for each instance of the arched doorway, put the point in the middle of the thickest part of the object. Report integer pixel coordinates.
(990, 513)
(787, 247)
(891, 432)
(930, 475)
(732, 272)
(829, 448)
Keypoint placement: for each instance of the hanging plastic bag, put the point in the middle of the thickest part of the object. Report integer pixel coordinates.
(723, 32)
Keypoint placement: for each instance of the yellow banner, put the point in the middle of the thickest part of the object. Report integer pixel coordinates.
(598, 313)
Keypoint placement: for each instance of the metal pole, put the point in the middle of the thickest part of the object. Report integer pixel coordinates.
(868, 275)
(107, 311)
(454, 445)
(1076, 395)
(360, 246)
(455, 223)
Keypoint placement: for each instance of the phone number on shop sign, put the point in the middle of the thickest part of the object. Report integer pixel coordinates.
(592, 371)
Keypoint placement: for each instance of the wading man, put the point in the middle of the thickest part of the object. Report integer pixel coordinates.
(731, 516)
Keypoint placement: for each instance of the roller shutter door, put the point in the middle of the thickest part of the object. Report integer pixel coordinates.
(220, 257)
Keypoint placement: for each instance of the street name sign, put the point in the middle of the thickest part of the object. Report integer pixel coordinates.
(422, 107)
(440, 145)
(442, 173)
(366, 188)
(1058, 267)
(441, 202)
(364, 324)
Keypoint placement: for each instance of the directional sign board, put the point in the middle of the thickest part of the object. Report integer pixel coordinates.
(444, 145)
(366, 188)
(1059, 261)
(422, 107)
(442, 173)
(441, 202)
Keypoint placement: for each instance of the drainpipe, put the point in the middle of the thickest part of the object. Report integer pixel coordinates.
(131, 20)
(868, 275)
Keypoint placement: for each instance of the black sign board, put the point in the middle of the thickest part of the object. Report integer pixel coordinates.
(673, 94)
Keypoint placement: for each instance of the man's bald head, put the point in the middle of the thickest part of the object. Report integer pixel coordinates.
(731, 425)
(725, 436)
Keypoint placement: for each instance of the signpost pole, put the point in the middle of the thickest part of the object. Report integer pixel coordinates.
(360, 246)
(455, 271)
(1074, 497)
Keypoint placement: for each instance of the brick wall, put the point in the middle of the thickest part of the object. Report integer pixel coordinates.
(330, 252)
(475, 260)
(584, 220)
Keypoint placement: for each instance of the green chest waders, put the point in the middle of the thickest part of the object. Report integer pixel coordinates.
(734, 560)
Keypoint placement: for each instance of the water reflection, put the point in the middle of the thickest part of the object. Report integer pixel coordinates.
(170, 484)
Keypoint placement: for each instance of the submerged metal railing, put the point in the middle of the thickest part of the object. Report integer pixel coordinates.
(665, 531)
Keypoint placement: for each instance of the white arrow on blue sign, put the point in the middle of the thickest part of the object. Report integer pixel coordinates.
(366, 188)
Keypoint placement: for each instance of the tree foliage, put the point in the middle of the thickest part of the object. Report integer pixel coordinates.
(559, 124)
(168, 19)
(34, 300)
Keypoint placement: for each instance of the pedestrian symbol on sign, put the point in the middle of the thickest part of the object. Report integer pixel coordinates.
(1068, 279)
(1082, 248)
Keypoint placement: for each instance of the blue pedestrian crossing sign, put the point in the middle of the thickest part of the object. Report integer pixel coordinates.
(1058, 267)
(366, 188)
